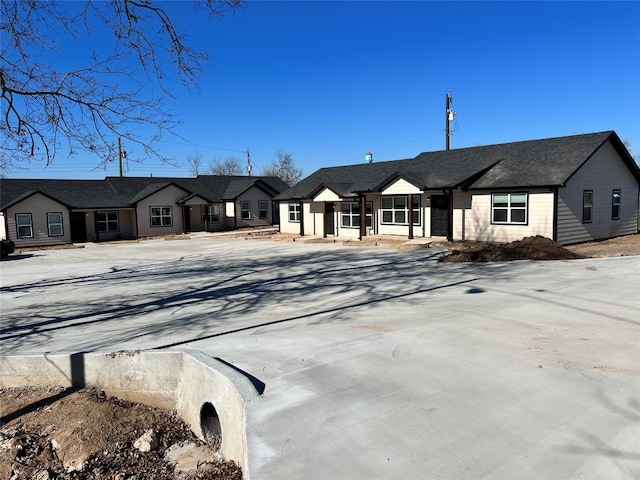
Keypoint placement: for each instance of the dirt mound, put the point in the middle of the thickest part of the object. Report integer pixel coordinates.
(529, 248)
(55, 433)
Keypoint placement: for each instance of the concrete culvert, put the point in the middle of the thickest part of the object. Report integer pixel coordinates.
(210, 424)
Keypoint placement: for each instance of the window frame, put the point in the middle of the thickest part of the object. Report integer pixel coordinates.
(351, 215)
(294, 212)
(586, 206)
(108, 221)
(263, 212)
(509, 208)
(398, 212)
(615, 206)
(245, 213)
(162, 216)
(50, 224)
(22, 225)
(209, 213)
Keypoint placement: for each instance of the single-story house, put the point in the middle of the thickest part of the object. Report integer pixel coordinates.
(570, 189)
(52, 212)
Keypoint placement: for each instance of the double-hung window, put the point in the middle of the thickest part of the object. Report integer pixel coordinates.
(24, 225)
(294, 212)
(210, 213)
(587, 206)
(54, 224)
(350, 214)
(615, 204)
(395, 210)
(245, 210)
(108, 221)
(263, 209)
(161, 217)
(509, 208)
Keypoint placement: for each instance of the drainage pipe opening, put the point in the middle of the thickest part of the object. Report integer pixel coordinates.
(210, 424)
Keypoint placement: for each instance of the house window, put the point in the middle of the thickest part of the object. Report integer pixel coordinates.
(509, 208)
(108, 221)
(54, 224)
(161, 217)
(395, 210)
(350, 214)
(587, 206)
(263, 208)
(615, 205)
(245, 210)
(24, 225)
(210, 213)
(294, 212)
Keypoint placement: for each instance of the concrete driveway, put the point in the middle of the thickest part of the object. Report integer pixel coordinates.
(377, 363)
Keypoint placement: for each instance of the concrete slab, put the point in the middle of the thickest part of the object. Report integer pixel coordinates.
(376, 362)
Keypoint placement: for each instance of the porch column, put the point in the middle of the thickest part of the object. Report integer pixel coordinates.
(411, 216)
(324, 220)
(363, 216)
(301, 219)
(450, 228)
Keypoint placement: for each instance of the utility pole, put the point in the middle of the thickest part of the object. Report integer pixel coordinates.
(248, 163)
(121, 154)
(449, 116)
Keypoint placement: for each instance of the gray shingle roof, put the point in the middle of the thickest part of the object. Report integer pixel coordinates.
(534, 163)
(124, 192)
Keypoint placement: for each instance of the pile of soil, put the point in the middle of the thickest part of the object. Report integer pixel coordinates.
(529, 248)
(51, 433)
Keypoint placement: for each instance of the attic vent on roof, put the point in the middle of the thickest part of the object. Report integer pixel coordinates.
(368, 157)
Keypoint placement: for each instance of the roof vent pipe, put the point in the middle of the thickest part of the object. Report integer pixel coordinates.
(368, 157)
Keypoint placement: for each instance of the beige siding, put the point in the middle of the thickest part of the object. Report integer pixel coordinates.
(285, 225)
(326, 195)
(38, 206)
(167, 197)
(472, 218)
(3, 227)
(254, 195)
(603, 173)
(387, 229)
(400, 187)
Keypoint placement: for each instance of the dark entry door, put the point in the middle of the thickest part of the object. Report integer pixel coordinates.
(439, 215)
(78, 227)
(329, 221)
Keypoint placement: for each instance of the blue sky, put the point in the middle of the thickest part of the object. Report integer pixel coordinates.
(330, 81)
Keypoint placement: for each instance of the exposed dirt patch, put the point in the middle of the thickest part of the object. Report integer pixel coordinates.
(538, 248)
(51, 433)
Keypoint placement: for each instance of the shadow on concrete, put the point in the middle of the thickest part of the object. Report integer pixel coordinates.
(77, 381)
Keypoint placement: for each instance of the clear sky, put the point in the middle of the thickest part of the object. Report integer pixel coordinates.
(330, 81)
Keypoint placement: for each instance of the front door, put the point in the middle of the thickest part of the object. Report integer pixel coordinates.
(439, 215)
(329, 220)
(78, 227)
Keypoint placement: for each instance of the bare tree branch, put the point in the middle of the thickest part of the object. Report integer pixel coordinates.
(49, 106)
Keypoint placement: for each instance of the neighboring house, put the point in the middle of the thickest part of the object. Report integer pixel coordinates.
(52, 212)
(570, 189)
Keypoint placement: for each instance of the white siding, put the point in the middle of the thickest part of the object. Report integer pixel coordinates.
(604, 172)
(167, 197)
(472, 219)
(38, 206)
